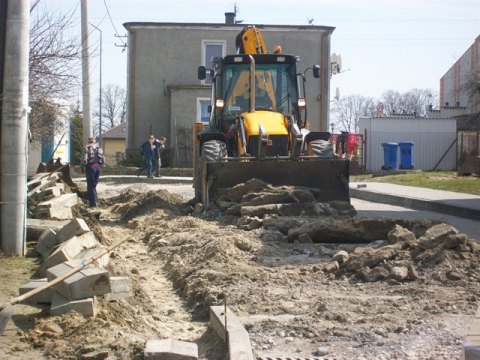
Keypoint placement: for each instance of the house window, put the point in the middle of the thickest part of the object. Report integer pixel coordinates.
(211, 49)
(202, 110)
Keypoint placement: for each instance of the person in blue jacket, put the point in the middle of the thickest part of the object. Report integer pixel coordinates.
(147, 151)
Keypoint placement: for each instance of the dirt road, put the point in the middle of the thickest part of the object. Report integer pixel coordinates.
(181, 261)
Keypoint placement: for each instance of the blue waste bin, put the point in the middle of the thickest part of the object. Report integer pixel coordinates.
(406, 155)
(389, 156)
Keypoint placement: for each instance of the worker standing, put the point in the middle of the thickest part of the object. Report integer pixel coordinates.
(147, 150)
(94, 160)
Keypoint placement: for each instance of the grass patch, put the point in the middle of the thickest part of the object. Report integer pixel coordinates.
(439, 180)
(14, 272)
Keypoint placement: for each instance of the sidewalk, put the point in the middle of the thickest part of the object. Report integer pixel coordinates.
(445, 202)
(131, 179)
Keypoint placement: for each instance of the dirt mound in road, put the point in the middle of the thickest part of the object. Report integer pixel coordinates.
(256, 198)
(137, 204)
(122, 198)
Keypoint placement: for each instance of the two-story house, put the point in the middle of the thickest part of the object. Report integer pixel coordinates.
(165, 96)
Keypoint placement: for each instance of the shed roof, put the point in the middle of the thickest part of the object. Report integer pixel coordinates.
(117, 132)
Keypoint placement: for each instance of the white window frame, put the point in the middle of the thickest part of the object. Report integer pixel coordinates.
(212, 42)
(199, 109)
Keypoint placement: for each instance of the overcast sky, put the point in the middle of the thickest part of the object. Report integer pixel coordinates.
(384, 44)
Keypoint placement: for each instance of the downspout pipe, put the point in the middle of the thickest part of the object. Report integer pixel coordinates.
(13, 157)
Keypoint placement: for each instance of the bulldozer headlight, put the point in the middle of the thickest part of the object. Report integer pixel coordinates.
(219, 103)
(301, 104)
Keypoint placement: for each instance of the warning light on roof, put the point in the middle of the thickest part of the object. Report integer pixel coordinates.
(277, 49)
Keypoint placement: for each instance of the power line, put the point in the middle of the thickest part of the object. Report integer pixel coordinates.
(111, 21)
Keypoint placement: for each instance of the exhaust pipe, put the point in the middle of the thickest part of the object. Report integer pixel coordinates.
(252, 83)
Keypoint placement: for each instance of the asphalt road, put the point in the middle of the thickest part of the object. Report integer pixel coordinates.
(371, 209)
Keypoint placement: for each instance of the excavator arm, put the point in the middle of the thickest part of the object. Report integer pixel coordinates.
(250, 41)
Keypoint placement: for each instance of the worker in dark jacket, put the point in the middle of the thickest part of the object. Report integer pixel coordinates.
(147, 151)
(159, 146)
(93, 160)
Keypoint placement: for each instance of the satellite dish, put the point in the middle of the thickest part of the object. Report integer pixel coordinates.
(339, 63)
(337, 94)
(336, 63)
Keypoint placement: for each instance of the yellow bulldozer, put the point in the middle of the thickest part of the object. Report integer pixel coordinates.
(259, 128)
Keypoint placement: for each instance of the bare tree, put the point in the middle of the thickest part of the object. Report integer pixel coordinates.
(413, 102)
(349, 110)
(391, 100)
(114, 108)
(53, 67)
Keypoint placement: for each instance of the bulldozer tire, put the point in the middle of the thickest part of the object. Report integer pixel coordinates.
(322, 148)
(214, 150)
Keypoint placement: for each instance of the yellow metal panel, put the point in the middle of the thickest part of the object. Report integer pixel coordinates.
(273, 123)
(253, 42)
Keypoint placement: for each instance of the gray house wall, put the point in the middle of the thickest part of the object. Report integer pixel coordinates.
(162, 85)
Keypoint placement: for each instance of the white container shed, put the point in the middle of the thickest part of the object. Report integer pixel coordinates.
(431, 137)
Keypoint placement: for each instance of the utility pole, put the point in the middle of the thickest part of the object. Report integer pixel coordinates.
(13, 157)
(100, 94)
(87, 108)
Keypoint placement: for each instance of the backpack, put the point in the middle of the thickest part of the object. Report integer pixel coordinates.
(94, 155)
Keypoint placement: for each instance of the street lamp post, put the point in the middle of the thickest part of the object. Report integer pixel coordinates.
(100, 95)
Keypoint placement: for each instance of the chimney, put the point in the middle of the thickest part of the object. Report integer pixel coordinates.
(230, 18)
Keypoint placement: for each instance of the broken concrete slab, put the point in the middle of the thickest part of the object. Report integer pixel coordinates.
(436, 235)
(88, 282)
(43, 297)
(46, 178)
(239, 346)
(46, 242)
(66, 251)
(356, 230)
(121, 288)
(400, 234)
(61, 305)
(169, 349)
(101, 262)
(72, 248)
(57, 208)
(39, 194)
(88, 240)
(75, 227)
(56, 212)
(35, 227)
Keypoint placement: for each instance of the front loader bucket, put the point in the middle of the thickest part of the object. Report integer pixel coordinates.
(330, 176)
(57, 167)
